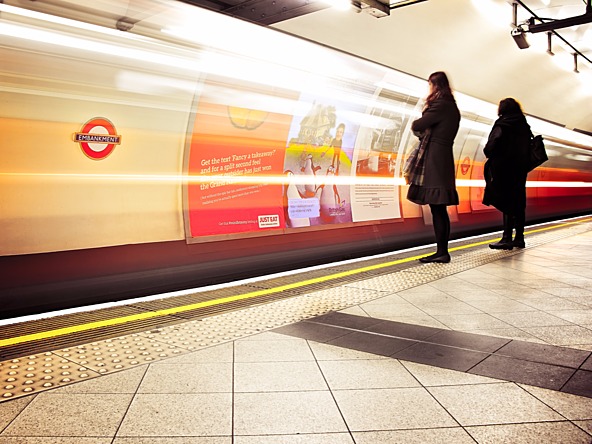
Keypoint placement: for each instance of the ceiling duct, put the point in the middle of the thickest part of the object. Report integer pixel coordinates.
(553, 24)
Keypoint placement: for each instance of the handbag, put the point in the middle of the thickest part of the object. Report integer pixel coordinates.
(537, 155)
(414, 168)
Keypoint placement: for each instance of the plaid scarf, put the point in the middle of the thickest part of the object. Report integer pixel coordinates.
(414, 169)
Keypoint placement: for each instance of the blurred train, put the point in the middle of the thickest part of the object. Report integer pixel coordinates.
(154, 146)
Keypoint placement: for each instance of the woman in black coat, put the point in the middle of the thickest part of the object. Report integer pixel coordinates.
(506, 169)
(438, 190)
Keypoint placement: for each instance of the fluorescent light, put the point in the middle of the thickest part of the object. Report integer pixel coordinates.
(341, 5)
(106, 49)
(63, 21)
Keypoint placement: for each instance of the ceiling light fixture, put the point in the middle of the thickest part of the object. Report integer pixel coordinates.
(536, 24)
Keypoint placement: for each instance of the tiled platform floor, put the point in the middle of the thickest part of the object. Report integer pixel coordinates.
(274, 387)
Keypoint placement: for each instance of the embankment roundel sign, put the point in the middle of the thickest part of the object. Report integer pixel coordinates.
(97, 138)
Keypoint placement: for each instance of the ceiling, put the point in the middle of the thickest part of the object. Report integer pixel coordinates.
(469, 39)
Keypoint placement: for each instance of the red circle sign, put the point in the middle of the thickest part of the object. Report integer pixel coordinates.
(97, 138)
(465, 165)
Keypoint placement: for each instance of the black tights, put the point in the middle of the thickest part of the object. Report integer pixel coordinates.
(441, 223)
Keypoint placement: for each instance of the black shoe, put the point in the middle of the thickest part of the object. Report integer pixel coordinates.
(502, 245)
(519, 243)
(442, 258)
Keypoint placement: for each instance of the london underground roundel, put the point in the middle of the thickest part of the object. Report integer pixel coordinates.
(97, 138)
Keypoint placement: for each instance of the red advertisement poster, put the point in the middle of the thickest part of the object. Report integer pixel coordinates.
(235, 170)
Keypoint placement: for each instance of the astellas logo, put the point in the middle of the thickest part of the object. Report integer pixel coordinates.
(269, 221)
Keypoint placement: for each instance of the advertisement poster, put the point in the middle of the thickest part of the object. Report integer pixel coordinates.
(318, 163)
(376, 156)
(252, 169)
(234, 156)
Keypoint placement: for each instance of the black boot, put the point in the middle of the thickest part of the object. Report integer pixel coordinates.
(505, 243)
(519, 238)
(443, 258)
(519, 243)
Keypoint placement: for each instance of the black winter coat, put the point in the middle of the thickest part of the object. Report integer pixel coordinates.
(505, 171)
(439, 186)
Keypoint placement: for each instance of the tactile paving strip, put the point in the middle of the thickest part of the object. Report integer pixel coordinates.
(119, 353)
(32, 374)
(39, 372)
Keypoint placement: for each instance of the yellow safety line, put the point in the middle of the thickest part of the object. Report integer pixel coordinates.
(250, 295)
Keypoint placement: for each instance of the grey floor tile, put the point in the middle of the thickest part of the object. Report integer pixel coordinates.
(50, 414)
(420, 318)
(542, 283)
(391, 409)
(429, 375)
(585, 425)
(441, 356)
(454, 435)
(356, 310)
(271, 351)
(10, 410)
(368, 374)
(286, 413)
(564, 336)
(448, 308)
(326, 352)
(571, 407)
(428, 297)
(269, 335)
(579, 317)
(475, 296)
(53, 440)
(278, 376)
(582, 300)
(388, 311)
(532, 319)
(487, 404)
(404, 330)
(325, 438)
(548, 354)
(154, 415)
(588, 364)
(391, 299)
(553, 303)
(218, 353)
(519, 293)
(313, 331)
(422, 290)
(579, 384)
(501, 306)
(468, 341)
(176, 440)
(126, 381)
(508, 333)
(541, 432)
(570, 292)
(372, 343)
(526, 372)
(345, 320)
(210, 377)
(471, 321)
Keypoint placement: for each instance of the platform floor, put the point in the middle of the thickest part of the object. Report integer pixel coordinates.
(476, 351)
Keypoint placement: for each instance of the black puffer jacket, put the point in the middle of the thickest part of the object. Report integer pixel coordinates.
(505, 170)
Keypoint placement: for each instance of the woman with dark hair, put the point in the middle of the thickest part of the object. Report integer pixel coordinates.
(436, 185)
(506, 169)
